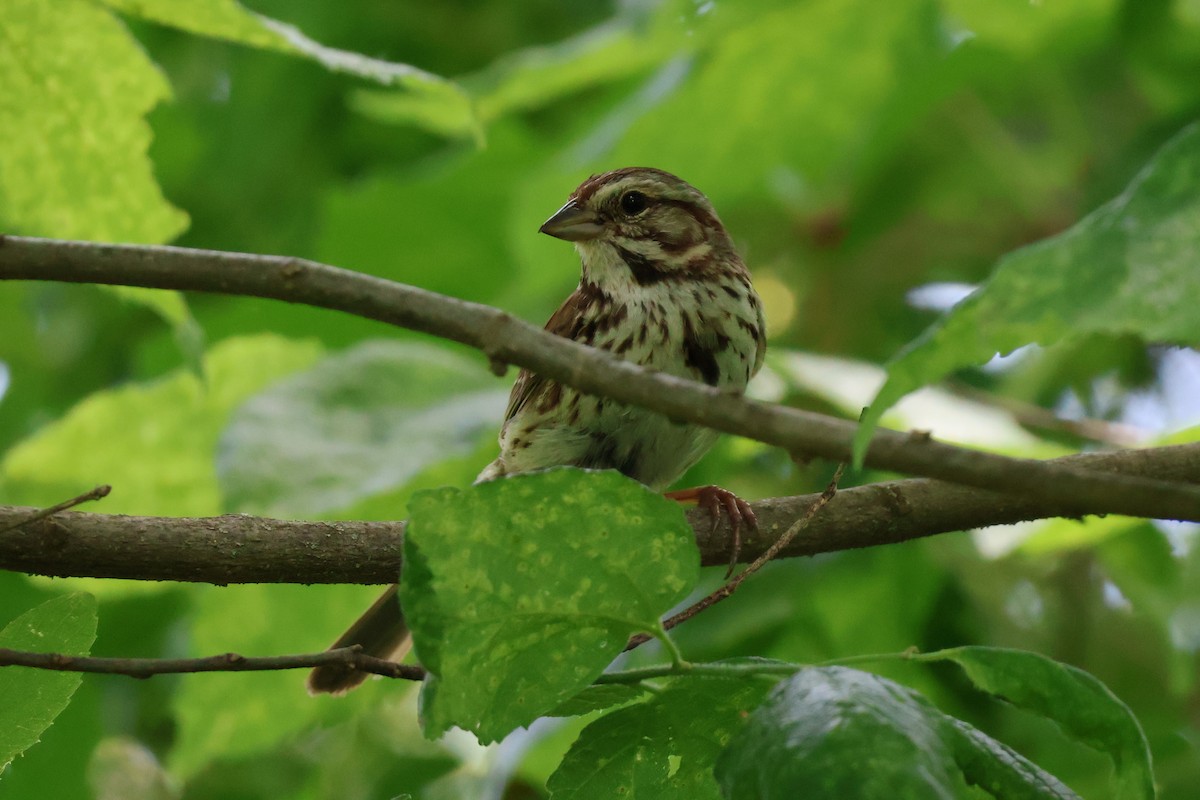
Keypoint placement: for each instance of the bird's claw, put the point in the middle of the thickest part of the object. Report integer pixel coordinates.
(714, 499)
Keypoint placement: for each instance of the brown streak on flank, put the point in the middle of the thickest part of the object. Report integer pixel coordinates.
(748, 327)
(607, 322)
(567, 322)
(723, 340)
(550, 397)
(697, 356)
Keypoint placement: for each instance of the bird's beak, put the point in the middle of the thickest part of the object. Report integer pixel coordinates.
(573, 223)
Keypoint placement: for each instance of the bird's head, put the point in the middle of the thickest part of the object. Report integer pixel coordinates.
(640, 225)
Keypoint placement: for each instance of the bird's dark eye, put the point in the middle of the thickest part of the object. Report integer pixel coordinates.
(633, 203)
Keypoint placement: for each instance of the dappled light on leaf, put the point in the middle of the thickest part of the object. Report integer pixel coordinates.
(520, 591)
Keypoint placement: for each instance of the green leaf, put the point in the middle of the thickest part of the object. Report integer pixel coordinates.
(520, 591)
(1000, 770)
(1078, 702)
(30, 699)
(635, 41)
(161, 459)
(662, 748)
(833, 732)
(74, 163)
(597, 698)
(1019, 26)
(220, 19)
(225, 19)
(76, 86)
(834, 84)
(1128, 267)
(357, 424)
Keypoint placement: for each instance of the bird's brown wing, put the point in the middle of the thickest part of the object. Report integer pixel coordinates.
(566, 322)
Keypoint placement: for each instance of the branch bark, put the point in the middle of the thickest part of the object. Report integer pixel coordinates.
(505, 339)
(246, 549)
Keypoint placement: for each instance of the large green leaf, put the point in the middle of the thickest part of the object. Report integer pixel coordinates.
(662, 748)
(833, 732)
(520, 591)
(30, 699)
(1083, 706)
(74, 164)
(154, 442)
(1128, 267)
(357, 424)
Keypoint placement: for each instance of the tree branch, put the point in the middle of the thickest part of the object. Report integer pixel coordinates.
(226, 662)
(504, 339)
(246, 549)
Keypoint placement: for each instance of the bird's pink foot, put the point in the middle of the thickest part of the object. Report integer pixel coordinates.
(714, 498)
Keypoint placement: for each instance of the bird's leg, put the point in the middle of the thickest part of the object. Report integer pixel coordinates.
(714, 498)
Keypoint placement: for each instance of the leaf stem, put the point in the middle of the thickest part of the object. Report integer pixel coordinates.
(678, 662)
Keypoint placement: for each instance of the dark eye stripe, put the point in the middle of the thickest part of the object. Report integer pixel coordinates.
(701, 215)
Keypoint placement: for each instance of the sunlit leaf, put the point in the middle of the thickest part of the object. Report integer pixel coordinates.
(76, 86)
(155, 443)
(520, 591)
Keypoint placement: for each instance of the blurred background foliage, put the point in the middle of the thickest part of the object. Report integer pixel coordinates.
(872, 161)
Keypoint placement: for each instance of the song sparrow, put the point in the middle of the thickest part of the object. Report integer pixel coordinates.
(661, 286)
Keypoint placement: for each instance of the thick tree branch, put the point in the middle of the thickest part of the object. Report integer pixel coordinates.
(505, 339)
(246, 549)
(226, 662)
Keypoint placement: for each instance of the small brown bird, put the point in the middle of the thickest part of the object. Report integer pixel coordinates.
(661, 286)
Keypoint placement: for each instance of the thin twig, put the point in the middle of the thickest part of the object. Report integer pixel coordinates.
(226, 662)
(731, 586)
(94, 494)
